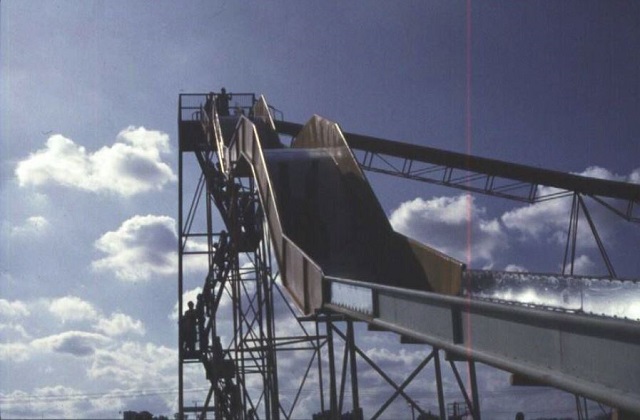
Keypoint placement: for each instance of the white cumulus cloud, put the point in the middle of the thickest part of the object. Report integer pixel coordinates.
(72, 308)
(11, 332)
(550, 219)
(133, 364)
(514, 268)
(601, 173)
(32, 226)
(120, 324)
(75, 343)
(447, 224)
(132, 165)
(143, 247)
(14, 352)
(57, 401)
(13, 309)
(547, 219)
(582, 265)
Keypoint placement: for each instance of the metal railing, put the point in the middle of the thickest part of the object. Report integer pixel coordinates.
(191, 104)
(584, 354)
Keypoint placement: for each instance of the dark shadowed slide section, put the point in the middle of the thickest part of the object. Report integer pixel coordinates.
(324, 218)
(334, 217)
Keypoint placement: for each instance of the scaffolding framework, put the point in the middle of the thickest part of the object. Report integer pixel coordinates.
(243, 327)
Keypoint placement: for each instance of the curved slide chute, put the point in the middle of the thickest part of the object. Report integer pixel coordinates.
(324, 218)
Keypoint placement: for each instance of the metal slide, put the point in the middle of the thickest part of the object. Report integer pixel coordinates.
(337, 252)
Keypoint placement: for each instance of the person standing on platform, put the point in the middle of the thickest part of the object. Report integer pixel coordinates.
(208, 105)
(222, 102)
(189, 329)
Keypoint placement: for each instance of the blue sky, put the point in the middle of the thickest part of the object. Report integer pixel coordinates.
(88, 162)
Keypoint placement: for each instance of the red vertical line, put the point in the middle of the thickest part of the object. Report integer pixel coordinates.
(468, 139)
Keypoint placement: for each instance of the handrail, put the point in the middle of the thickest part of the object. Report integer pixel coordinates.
(623, 329)
(223, 152)
(262, 110)
(583, 354)
(297, 265)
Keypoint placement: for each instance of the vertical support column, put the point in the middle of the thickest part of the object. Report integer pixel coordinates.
(343, 374)
(238, 316)
(441, 406)
(474, 390)
(272, 362)
(333, 397)
(596, 236)
(180, 238)
(461, 386)
(319, 350)
(354, 370)
(264, 363)
(571, 235)
(261, 280)
(210, 262)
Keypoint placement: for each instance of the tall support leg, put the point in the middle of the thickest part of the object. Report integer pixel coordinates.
(351, 342)
(271, 356)
(321, 384)
(586, 410)
(180, 287)
(578, 407)
(474, 390)
(571, 236)
(596, 236)
(210, 260)
(343, 374)
(333, 397)
(399, 389)
(239, 344)
(461, 386)
(436, 361)
(261, 280)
